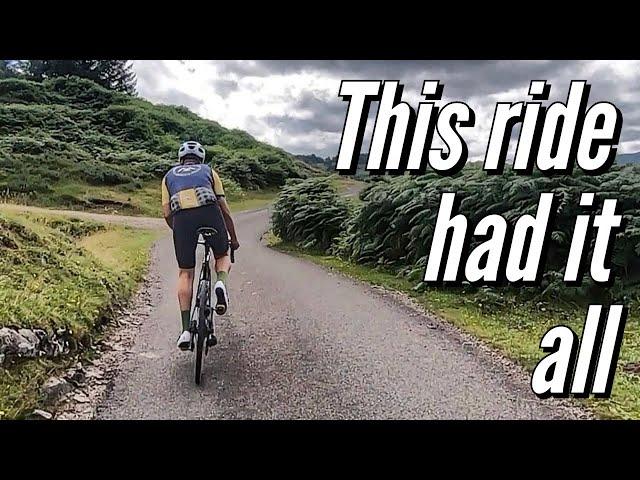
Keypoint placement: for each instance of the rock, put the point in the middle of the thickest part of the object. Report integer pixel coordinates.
(76, 375)
(9, 341)
(467, 346)
(23, 343)
(32, 343)
(1, 358)
(27, 349)
(54, 346)
(149, 355)
(41, 334)
(31, 337)
(632, 367)
(54, 388)
(81, 398)
(94, 372)
(43, 414)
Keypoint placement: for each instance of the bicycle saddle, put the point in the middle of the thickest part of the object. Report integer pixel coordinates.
(207, 232)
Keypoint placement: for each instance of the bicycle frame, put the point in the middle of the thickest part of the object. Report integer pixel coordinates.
(205, 271)
(203, 325)
(205, 276)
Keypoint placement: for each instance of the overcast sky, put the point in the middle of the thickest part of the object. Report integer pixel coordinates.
(295, 104)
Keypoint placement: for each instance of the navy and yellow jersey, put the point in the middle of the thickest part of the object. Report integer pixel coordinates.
(191, 186)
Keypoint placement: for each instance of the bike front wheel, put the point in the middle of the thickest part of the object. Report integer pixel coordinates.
(202, 329)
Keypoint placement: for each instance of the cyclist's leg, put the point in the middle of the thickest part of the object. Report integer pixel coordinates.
(221, 255)
(223, 265)
(185, 294)
(185, 240)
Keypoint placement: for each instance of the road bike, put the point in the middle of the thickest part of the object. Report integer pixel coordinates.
(202, 325)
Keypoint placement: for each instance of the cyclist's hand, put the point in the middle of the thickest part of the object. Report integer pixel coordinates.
(235, 245)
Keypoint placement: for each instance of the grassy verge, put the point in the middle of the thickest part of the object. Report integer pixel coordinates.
(253, 200)
(58, 272)
(75, 195)
(20, 386)
(144, 201)
(515, 331)
(348, 187)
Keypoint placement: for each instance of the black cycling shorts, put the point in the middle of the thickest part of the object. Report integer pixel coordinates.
(185, 237)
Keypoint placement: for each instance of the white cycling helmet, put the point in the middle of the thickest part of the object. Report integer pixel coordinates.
(191, 148)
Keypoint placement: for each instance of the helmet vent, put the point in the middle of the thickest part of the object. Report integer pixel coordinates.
(191, 148)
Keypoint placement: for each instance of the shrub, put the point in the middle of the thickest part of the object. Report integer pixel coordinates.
(24, 182)
(14, 90)
(22, 144)
(73, 227)
(97, 172)
(310, 213)
(127, 120)
(76, 90)
(232, 190)
(88, 133)
(395, 225)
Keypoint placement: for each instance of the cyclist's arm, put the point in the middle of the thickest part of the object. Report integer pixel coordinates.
(166, 204)
(166, 211)
(224, 208)
(228, 221)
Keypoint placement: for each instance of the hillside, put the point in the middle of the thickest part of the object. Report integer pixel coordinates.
(316, 161)
(69, 142)
(329, 164)
(627, 158)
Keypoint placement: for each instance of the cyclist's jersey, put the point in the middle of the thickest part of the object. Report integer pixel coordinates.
(191, 186)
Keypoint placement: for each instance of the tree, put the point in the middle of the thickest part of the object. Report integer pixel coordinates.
(113, 74)
(40, 69)
(117, 75)
(12, 68)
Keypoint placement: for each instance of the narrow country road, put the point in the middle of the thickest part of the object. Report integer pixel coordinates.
(303, 343)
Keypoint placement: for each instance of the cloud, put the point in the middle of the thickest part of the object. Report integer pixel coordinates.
(176, 97)
(151, 76)
(224, 87)
(295, 104)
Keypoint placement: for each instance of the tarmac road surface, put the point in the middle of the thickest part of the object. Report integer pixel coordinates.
(301, 342)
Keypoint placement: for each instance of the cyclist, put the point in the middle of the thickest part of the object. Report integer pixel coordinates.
(193, 197)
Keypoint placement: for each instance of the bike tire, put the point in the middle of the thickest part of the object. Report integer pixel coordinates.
(202, 331)
(199, 350)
